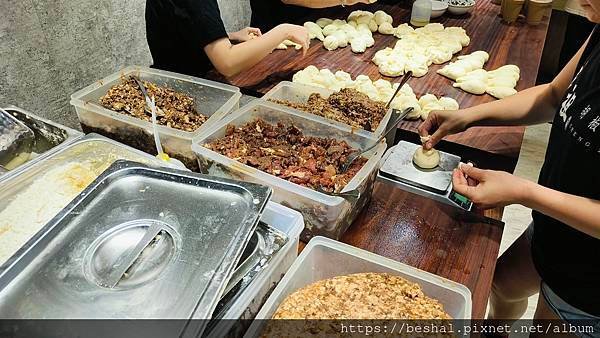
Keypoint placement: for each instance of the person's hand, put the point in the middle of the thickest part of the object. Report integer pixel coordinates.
(297, 34)
(441, 123)
(492, 188)
(245, 34)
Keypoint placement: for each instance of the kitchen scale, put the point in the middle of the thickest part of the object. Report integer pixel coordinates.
(398, 169)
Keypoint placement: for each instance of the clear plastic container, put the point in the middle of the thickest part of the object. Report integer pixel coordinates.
(324, 258)
(213, 99)
(323, 214)
(299, 93)
(250, 301)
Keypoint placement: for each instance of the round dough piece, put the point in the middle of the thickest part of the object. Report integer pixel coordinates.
(426, 159)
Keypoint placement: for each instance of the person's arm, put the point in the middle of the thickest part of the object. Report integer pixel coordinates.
(531, 106)
(229, 59)
(323, 3)
(498, 188)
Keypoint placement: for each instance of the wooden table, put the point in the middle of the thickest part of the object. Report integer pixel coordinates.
(518, 44)
(431, 236)
(403, 226)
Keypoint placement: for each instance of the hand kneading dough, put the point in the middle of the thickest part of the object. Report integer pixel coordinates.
(426, 159)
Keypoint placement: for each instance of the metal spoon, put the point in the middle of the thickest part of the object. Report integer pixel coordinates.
(404, 80)
(159, 111)
(391, 127)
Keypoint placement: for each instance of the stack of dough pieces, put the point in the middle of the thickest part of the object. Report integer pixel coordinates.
(470, 76)
(464, 65)
(379, 90)
(357, 31)
(418, 48)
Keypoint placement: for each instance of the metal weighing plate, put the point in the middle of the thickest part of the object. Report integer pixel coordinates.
(176, 236)
(399, 166)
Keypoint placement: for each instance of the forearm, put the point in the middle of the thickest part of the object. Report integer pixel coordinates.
(531, 106)
(231, 59)
(578, 212)
(313, 3)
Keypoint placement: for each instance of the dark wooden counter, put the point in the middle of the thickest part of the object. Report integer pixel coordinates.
(431, 236)
(403, 226)
(518, 44)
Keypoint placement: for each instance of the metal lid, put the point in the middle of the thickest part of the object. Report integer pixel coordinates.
(138, 243)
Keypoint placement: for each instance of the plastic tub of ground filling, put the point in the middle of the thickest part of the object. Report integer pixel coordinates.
(117, 119)
(324, 214)
(296, 93)
(324, 258)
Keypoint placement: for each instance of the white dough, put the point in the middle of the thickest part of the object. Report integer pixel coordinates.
(448, 103)
(426, 159)
(474, 86)
(403, 30)
(330, 29)
(322, 22)
(358, 45)
(373, 26)
(331, 42)
(314, 31)
(381, 17)
(501, 92)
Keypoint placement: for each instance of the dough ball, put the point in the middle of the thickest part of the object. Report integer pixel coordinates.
(427, 99)
(386, 28)
(331, 42)
(369, 40)
(501, 92)
(363, 27)
(426, 159)
(403, 30)
(342, 38)
(322, 22)
(330, 29)
(281, 46)
(433, 27)
(502, 82)
(381, 17)
(314, 31)
(510, 68)
(358, 45)
(440, 55)
(448, 103)
(338, 22)
(392, 68)
(373, 26)
(475, 86)
(382, 84)
(355, 15)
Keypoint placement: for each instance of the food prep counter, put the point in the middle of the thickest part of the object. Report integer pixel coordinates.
(518, 43)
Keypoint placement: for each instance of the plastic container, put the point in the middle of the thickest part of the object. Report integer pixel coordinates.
(324, 258)
(250, 301)
(212, 99)
(299, 93)
(323, 214)
(421, 13)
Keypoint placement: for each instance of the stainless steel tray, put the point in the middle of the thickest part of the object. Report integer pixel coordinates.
(96, 151)
(16, 141)
(399, 166)
(201, 226)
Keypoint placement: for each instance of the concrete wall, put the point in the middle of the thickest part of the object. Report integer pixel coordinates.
(51, 48)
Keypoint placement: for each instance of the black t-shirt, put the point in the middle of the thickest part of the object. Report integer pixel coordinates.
(267, 14)
(569, 260)
(178, 30)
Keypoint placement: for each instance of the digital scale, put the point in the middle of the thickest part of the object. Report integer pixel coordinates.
(398, 169)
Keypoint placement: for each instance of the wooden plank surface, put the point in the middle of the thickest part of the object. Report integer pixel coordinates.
(430, 236)
(518, 44)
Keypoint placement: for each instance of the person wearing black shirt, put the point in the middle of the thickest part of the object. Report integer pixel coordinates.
(559, 255)
(188, 36)
(267, 14)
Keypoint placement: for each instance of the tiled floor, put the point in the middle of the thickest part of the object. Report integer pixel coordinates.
(517, 217)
